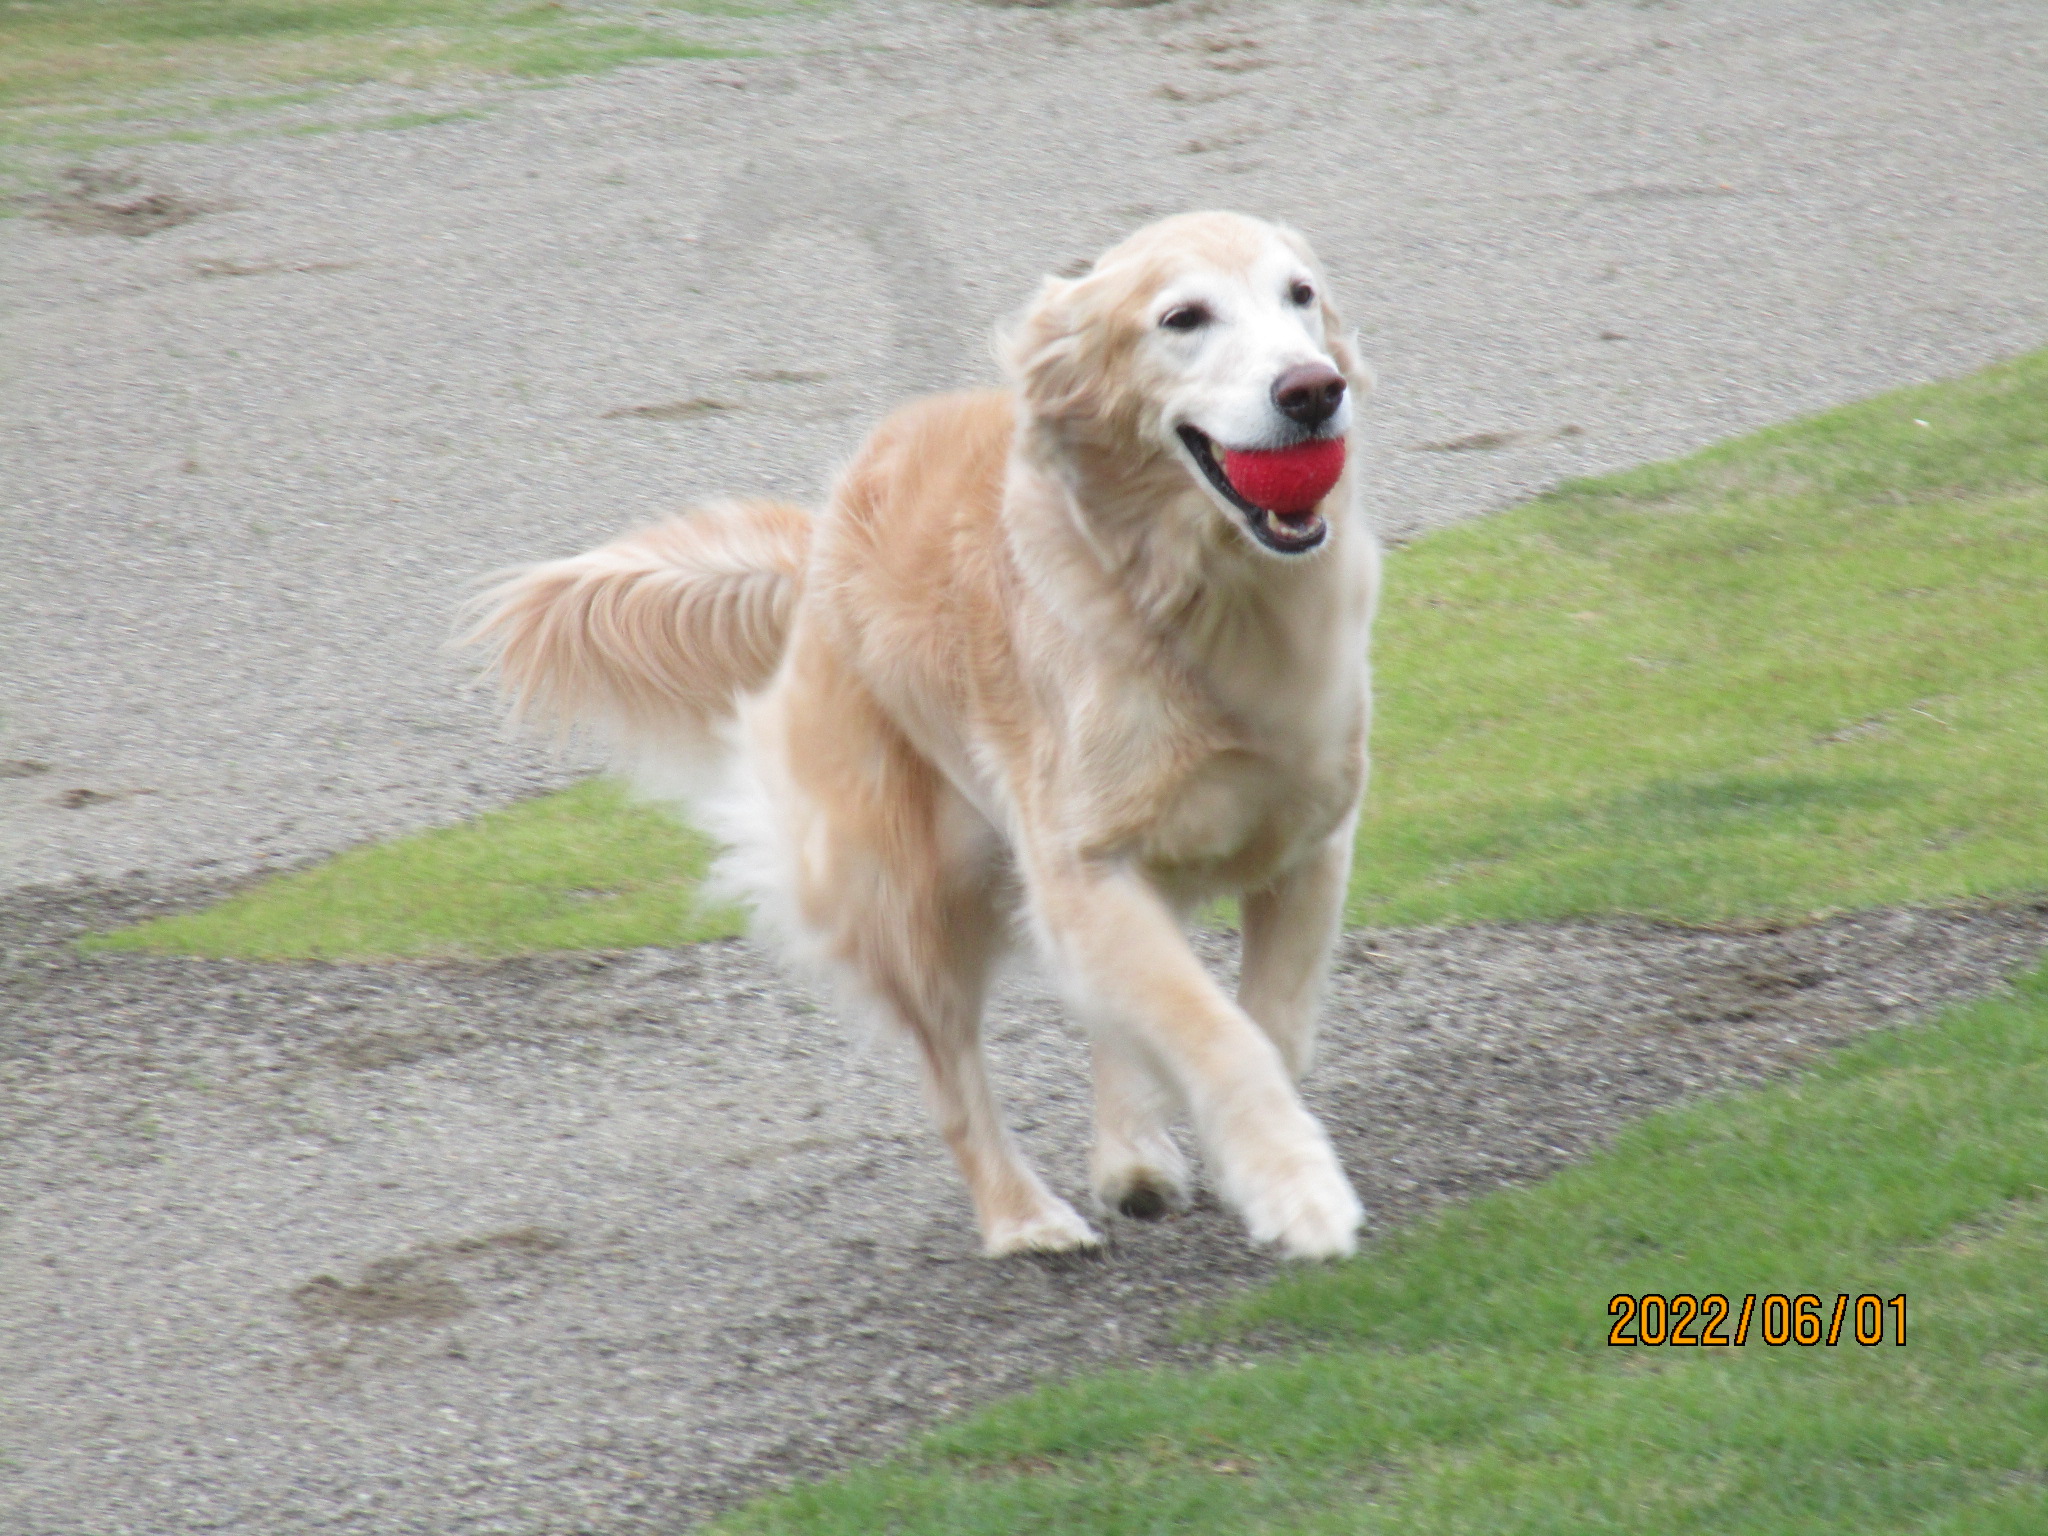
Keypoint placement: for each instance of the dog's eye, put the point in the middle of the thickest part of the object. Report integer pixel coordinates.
(1301, 293)
(1186, 317)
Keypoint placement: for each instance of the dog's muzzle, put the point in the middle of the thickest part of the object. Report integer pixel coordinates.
(1290, 532)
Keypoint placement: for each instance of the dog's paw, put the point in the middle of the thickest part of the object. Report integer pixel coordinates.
(1309, 1211)
(1057, 1228)
(1144, 1184)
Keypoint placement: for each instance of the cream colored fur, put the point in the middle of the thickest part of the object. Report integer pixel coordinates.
(1029, 671)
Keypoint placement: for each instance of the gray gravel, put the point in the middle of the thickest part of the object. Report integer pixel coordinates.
(247, 460)
(602, 1244)
(589, 1244)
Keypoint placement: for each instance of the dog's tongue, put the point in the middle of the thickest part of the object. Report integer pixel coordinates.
(1286, 480)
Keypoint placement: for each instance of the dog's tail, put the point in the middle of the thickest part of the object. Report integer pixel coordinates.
(651, 640)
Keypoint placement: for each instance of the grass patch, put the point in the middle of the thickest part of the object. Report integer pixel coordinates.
(81, 76)
(1460, 1381)
(1803, 671)
(55, 53)
(583, 869)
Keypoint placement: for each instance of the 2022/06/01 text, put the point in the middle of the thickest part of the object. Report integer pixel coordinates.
(1716, 1320)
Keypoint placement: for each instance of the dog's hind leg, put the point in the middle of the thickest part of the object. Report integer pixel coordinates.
(925, 955)
(1017, 1213)
(901, 883)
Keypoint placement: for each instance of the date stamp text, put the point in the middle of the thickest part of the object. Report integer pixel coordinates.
(1724, 1321)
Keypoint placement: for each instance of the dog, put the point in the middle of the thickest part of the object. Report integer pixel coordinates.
(1061, 661)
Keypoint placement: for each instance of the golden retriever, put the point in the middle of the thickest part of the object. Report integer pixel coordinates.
(1066, 660)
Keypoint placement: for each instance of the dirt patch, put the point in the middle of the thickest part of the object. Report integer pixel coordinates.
(1656, 192)
(1473, 442)
(224, 267)
(415, 1286)
(402, 1311)
(673, 410)
(101, 201)
(406, 1289)
(520, 1240)
(1488, 442)
(80, 798)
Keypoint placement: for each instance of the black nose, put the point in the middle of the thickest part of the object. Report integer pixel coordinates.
(1309, 393)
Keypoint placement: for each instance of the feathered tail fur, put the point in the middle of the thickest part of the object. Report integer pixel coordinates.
(650, 640)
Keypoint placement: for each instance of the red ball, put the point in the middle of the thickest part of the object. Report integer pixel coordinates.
(1286, 480)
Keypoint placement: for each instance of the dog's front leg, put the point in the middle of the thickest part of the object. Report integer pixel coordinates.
(1131, 975)
(1290, 927)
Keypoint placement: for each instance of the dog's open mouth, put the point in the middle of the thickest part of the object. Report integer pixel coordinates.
(1278, 490)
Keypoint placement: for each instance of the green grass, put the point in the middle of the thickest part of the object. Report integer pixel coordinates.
(1803, 671)
(64, 52)
(1456, 1378)
(1806, 670)
(583, 869)
(78, 77)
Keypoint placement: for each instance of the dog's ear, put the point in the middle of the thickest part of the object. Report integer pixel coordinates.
(1342, 341)
(1056, 351)
(1343, 345)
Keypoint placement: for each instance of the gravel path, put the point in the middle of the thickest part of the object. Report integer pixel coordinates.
(247, 461)
(586, 1244)
(589, 1244)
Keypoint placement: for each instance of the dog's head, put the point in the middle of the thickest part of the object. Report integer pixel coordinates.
(1208, 342)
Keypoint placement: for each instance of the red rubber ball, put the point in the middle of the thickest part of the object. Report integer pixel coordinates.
(1286, 480)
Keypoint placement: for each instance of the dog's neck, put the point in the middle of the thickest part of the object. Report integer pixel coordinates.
(1237, 644)
(1130, 547)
